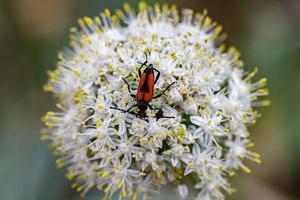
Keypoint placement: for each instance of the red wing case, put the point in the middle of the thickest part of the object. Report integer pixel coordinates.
(146, 87)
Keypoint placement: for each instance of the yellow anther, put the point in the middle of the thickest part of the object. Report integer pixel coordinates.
(119, 13)
(80, 22)
(266, 103)
(127, 8)
(74, 185)
(100, 173)
(50, 114)
(123, 193)
(246, 169)
(79, 189)
(59, 106)
(98, 20)
(49, 124)
(254, 98)
(233, 51)
(143, 140)
(262, 82)
(115, 20)
(110, 68)
(174, 8)
(70, 176)
(222, 47)
(256, 155)
(263, 91)
(48, 88)
(107, 86)
(191, 165)
(73, 30)
(60, 55)
(258, 161)
(107, 189)
(55, 119)
(44, 137)
(173, 55)
(230, 191)
(107, 13)
(76, 100)
(197, 46)
(249, 145)
(91, 185)
(59, 163)
(218, 113)
(147, 50)
(118, 168)
(218, 29)
(89, 21)
(76, 72)
(120, 183)
(134, 197)
(154, 37)
(207, 21)
(99, 123)
(142, 5)
(100, 106)
(157, 7)
(206, 78)
(209, 122)
(231, 173)
(245, 118)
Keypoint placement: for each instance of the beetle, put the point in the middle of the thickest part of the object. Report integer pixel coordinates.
(145, 91)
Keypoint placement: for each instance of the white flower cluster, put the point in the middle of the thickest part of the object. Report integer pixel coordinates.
(117, 152)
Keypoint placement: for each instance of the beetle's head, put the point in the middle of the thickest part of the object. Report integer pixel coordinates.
(150, 65)
(142, 106)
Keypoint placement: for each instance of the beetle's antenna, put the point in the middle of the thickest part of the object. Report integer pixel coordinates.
(163, 92)
(146, 61)
(146, 57)
(125, 111)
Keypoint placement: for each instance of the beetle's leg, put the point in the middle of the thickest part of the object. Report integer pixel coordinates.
(142, 65)
(160, 115)
(167, 117)
(128, 110)
(159, 95)
(157, 76)
(143, 118)
(140, 70)
(146, 57)
(128, 87)
(115, 108)
(151, 108)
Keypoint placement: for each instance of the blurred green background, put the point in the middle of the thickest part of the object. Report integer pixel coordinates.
(32, 31)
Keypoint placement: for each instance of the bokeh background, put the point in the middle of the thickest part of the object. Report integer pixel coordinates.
(31, 33)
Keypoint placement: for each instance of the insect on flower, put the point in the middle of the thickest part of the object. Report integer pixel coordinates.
(188, 73)
(145, 91)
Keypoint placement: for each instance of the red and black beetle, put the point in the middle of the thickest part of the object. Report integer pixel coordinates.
(145, 91)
